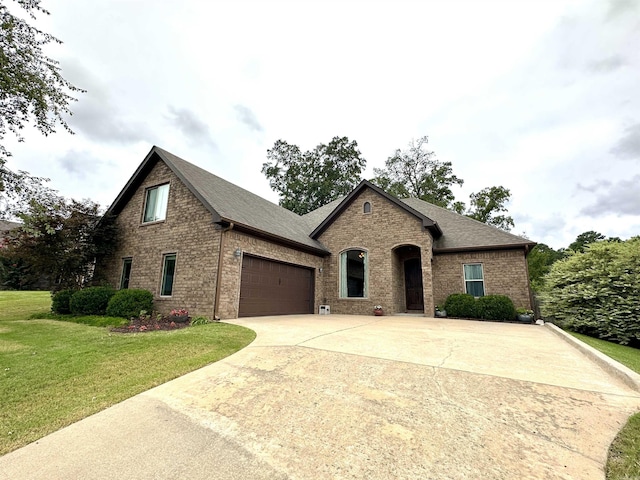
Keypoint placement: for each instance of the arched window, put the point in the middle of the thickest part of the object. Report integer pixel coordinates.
(354, 274)
(366, 208)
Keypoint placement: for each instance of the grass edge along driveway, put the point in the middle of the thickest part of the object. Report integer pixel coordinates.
(54, 373)
(623, 461)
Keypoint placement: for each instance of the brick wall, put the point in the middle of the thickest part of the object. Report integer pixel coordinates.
(384, 234)
(505, 273)
(187, 231)
(232, 267)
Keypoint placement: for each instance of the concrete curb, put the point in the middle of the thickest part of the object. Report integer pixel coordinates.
(628, 376)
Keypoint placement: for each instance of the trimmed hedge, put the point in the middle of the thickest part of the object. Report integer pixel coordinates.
(91, 301)
(495, 307)
(460, 305)
(128, 303)
(489, 307)
(60, 301)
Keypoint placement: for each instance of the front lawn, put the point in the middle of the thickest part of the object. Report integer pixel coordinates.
(624, 454)
(53, 373)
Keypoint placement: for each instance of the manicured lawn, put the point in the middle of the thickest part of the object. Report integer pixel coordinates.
(624, 454)
(53, 373)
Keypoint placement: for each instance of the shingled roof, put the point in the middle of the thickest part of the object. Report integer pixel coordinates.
(464, 233)
(229, 203)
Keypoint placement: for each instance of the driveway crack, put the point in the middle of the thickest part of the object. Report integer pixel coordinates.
(299, 344)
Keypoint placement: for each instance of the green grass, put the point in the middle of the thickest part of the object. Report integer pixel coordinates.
(53, 372)
(623, 462)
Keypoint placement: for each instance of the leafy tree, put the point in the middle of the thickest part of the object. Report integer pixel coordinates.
(597, 291)
(60, 239)
(32, 89)
(539, 261)
(308, 180)
(585, 239)
(487, 206)
(417, 172)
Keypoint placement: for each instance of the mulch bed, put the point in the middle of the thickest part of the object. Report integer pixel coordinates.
(143, 324)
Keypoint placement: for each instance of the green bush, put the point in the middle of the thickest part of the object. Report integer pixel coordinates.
(128, 303)
(91, 300)
(495, 307)
(60, 301)
(461, 305)
(597, 292)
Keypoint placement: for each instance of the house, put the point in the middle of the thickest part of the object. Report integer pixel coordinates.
(202, 243)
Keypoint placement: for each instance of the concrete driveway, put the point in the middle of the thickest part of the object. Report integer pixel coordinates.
(348, 397)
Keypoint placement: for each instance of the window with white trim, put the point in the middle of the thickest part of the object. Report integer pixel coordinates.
(168, 273)
(353, 274)
(474, 279)
(155, 204)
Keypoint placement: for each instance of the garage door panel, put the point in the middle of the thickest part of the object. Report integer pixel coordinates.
(273, 288)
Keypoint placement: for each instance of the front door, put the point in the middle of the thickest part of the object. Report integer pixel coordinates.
(413, 284)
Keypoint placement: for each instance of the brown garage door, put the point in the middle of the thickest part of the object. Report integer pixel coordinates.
(273, 288)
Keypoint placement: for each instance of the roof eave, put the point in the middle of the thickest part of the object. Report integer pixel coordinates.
(276, 238)
(508, 246)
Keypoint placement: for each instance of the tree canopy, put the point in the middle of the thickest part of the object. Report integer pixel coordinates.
(585, 239)
(59, 239)
(308, 180)
(32, 90)
(416, 172)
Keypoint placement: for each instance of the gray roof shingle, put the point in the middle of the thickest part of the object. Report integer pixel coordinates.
(229, 203)
(460, 232)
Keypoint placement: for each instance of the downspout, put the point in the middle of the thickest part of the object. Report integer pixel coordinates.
(216, 308)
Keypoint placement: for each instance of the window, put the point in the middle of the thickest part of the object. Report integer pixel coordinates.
(126, 272)
(155, 206)
(366, 208)
(168, 272)
(474, 279)
(353, 274)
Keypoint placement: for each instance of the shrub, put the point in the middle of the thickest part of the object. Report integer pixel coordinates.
(91, 301)
(461, 305)
(495, 307)
(129, 303)
(597, 292)
(199, 321)
(60, 301)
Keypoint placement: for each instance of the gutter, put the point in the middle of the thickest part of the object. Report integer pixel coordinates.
(216, 308)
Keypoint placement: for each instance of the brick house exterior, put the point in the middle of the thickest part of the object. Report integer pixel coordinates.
(221, 251)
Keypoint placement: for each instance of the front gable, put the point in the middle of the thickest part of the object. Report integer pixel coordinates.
(427, 223)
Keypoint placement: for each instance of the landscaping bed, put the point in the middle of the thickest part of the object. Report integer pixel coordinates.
(150, 324)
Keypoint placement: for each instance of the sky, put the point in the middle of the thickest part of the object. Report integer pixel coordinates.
(541, 97)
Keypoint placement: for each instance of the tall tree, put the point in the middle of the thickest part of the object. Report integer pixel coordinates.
(489, 206)
(539, 261)
(308, 180)
(585, 239)
(416, 172)
(61, 239)
(32, 89)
